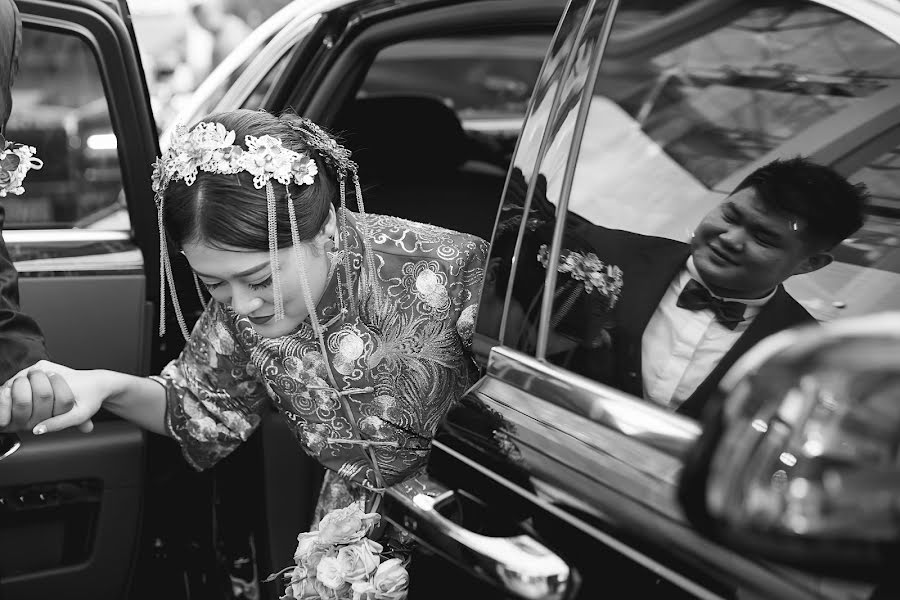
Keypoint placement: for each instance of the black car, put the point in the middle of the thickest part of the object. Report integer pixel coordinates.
(544, 482)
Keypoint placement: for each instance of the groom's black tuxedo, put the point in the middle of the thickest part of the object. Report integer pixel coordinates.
(649, 264)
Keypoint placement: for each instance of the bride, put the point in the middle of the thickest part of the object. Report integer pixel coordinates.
(355, 327)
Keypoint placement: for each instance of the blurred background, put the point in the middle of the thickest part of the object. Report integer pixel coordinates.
(60, 107)
(182, 41)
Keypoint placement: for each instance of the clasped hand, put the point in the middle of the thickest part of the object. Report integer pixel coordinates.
(47, 397)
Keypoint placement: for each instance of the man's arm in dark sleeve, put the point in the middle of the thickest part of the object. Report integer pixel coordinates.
(21, 341)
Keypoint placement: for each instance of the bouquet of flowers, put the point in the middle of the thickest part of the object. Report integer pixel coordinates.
(340, 562)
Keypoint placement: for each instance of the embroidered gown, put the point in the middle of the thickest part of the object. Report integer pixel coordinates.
(398, 356)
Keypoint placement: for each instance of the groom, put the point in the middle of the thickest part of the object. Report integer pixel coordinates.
(689, 311)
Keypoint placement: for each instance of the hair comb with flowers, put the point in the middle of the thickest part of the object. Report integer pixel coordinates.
(15, 161)
(210, 147)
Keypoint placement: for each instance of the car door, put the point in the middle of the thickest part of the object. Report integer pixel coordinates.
(80, 236)
(688, 98)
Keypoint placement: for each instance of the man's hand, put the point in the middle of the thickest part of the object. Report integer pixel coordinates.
(34, 395)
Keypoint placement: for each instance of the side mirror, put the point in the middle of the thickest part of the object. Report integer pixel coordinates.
(799, 459)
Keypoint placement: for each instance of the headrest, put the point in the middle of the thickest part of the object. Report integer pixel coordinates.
(408, 136)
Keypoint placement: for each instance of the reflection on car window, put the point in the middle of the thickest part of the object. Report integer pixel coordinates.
(60, 108)
(673, 129)
(520, 234)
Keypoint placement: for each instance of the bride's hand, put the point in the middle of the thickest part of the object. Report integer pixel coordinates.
(49, 396)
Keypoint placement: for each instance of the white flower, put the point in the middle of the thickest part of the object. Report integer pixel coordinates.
(329, 572)
(358, 561)
(391, 580)
(346, 525)
(306, 542)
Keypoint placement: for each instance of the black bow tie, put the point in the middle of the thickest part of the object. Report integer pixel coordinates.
(696, 297)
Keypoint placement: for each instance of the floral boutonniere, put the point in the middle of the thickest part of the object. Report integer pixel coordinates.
(340, 562)
(590, 270)
(15, 161)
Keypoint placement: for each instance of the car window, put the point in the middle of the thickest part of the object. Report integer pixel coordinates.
(675, 123)
(514, 280)
(486, 79)
(60, 108)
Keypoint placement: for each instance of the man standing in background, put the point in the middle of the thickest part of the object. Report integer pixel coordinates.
(226, 30)
(21, 341)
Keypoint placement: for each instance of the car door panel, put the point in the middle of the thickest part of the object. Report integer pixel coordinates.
(68, 513)
(71, 503)
(610, 459)
(87, 291)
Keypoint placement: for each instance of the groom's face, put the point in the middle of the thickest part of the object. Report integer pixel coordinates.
(744, 249)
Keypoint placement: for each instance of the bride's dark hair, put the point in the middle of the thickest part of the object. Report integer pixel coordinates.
(227, 211)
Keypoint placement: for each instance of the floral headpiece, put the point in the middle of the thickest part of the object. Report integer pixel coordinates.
(15, 161)
(587, 268)
(210, 148)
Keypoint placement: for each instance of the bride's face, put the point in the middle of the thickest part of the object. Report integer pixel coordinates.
(242, 279)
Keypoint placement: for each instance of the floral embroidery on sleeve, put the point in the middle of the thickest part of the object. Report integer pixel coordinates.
(214, 394)
(465, 323)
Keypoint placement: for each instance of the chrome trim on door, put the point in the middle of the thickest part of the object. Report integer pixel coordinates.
(519, 564)
(589, 448)
(9, 443)
(55, 252)
(564, 46)
(283, 42)
(606, 406)
(64, 236)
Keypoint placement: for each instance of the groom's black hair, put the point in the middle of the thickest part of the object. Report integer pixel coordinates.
(831, 206)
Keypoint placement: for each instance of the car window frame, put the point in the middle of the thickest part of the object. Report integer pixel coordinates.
(350, 54)
(290, 39)
(128, 103)
(670, 432)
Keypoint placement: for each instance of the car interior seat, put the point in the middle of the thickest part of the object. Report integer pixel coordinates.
(415, 162)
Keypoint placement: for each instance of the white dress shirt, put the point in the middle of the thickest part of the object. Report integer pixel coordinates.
(680, 347)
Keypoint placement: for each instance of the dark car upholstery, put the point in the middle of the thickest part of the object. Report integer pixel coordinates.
(415, 162)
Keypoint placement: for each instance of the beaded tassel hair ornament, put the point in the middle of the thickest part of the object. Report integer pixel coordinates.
(209, 147)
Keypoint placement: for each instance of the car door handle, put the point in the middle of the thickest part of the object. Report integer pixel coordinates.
(519, 564)
(9, 443)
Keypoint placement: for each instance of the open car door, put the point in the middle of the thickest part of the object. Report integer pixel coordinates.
(81, 235)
